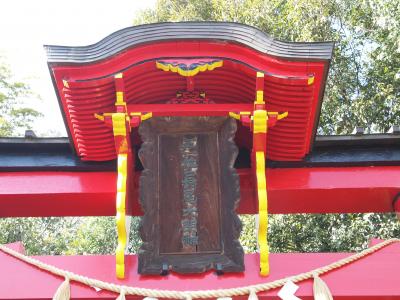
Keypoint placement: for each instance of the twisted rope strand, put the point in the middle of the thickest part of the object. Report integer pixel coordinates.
(171, 294)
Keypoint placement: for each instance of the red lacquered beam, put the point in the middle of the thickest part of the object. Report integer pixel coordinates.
(333, 190)
(166, 110)
(294, 190)
(42, 194)
(373, 277)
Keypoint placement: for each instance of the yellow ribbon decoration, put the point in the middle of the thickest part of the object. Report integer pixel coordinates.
(118, 121)
(120, 217)
(260, 118)
(263, 213)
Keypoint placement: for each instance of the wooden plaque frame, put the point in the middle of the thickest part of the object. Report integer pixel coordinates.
(218, 190)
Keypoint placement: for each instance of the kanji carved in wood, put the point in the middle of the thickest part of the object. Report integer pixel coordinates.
(189, 191)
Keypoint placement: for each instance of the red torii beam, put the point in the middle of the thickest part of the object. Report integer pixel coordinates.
(375, 277)
(290, 190)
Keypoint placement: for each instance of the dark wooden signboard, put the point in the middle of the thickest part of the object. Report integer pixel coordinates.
(189, 191)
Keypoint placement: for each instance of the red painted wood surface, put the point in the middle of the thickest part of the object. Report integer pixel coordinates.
(296, 190)
(396, 203)
(374, 277)
(286, 89)
(169, 110)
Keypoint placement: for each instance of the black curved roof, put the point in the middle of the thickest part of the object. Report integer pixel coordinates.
(221, 31)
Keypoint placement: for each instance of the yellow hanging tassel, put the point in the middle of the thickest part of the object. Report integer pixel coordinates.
(63, 291)
(121, 295)
(321, 290)
(253, 295)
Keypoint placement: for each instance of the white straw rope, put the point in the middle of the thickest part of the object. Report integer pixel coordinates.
(171, 294)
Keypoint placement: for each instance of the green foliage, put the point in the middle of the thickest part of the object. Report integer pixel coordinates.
(321, 233)
(330, 233)
(364, 81)
(67, 236)
(287, 233)
(40, 235)
(14, 116)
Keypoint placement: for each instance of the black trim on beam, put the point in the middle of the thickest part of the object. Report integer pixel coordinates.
(44, 154)
(55, 154)
(349, 150)
(351, 156)
(378, 139)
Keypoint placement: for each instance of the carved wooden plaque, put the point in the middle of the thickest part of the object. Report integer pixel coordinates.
(189, 191)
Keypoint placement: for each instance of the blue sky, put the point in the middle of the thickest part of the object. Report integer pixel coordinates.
(25, 26)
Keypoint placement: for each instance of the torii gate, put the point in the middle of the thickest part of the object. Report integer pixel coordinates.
(223, 70)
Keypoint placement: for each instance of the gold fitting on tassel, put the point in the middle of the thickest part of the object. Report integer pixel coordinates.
(253, 295)
(321, 290)
(63, 292)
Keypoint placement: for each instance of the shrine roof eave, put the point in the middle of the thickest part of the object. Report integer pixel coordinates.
(219, 31)
(239, 45)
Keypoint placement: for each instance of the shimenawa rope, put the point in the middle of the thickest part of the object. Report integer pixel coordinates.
(171, 294)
